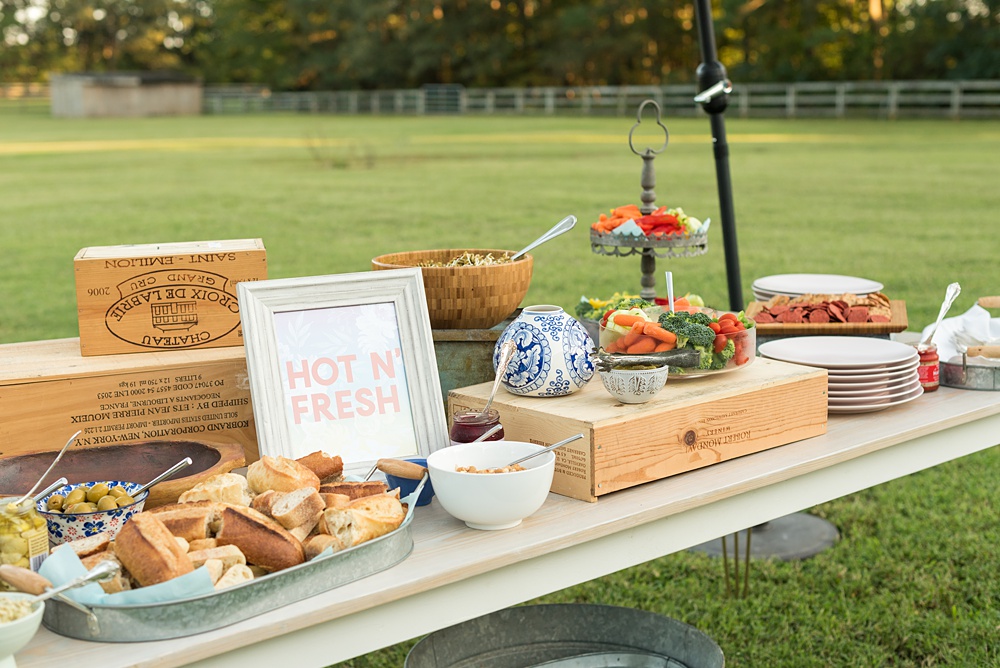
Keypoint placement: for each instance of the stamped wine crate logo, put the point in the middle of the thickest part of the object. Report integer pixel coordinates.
(174, 309)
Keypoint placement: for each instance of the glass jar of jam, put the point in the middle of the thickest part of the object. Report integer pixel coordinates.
(930, 367)
(467, 426)
(24, 536)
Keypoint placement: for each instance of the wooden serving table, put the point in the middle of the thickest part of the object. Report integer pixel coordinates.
(456, 573)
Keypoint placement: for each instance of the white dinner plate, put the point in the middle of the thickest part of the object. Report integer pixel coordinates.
(845, 375)
(867, 386)
(871, 408)
(873, 397)
(839, 352)
(875, 377)
(825, 284)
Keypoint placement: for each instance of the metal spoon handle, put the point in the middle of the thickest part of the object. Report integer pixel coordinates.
(950, 295)
(486, 434)
(51, 488)
(48, 470)
(507, 351)
(163, 476)
(564, 225)
(544, 450)
(101, 571)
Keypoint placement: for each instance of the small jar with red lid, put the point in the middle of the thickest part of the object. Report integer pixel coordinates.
(930, 367)
(467, 426)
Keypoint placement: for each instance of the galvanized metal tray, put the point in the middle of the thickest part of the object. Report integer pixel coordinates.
(185, 617)
(966, 374)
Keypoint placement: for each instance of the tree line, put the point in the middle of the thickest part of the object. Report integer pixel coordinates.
(387, 44)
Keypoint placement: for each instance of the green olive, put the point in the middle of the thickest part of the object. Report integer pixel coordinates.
(83, 507)
(76, 496)
(55, 511)
(107, 503)
(98, 491)
(125, 501)
(55, 502)
(117, 491)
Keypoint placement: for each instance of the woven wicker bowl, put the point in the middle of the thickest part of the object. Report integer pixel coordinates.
(473, 297)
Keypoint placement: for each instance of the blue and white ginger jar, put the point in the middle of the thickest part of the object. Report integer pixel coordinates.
(553, 353)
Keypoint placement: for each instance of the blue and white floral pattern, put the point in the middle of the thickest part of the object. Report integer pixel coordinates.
(552, 356)
(64, 528)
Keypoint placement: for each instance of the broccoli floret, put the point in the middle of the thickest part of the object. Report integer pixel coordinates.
(699, 335)
(625, 303)
(707, 357)
(583, 309)
(721, 358)
(678, 326)
(700, 318)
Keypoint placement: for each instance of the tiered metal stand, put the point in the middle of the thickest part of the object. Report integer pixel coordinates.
(650, 248)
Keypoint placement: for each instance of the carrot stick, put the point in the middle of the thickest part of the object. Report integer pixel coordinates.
(645, 344)
(626, 320)
(656, 331)
(614, 346)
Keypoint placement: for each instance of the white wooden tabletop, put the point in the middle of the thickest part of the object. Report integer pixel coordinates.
(455, 573)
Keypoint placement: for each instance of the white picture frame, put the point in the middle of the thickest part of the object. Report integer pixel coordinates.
(344, 364)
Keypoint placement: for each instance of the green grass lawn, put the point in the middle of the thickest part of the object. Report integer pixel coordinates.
(913, 581)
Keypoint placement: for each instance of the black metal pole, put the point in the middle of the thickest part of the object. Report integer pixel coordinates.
(711, 74)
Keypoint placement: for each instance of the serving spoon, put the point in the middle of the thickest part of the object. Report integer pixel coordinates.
(163, 476)
(507, 351)
(404, 469)
(564, 225)
(30, 582)
(949, 298)
(55, 461)
(550, 448)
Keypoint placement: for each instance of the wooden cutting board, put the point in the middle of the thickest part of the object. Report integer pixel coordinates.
(897, 323)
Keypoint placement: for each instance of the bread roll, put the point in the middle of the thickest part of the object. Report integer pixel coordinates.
(223, 488)
(148, 550)
(229, 555)
(234, 576)
(299, 508)
(191, 521)
(203, 544)
(316, 544)
(280, 474)
(335, 500)
(374, 516)
(84, 547)
(355, 490)
(262, 502)
(117, 583)
(325, 467)
(264, 542)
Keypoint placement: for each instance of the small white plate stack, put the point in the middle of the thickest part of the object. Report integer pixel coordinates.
(863, 374)
(795, 285)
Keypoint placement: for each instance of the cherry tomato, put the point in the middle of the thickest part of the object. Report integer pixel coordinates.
(720, 343)
(714, 326)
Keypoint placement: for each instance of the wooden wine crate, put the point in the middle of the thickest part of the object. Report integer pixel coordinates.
(48, 391)
(690, 424)
(156, 297)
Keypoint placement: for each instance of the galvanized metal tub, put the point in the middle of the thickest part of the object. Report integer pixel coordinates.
(185, 617)
(567, 636)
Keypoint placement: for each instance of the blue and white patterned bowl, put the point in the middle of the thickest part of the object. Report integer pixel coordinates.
(553, 353)
(64, 528)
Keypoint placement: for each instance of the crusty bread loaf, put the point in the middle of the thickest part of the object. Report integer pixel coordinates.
(229, 555)
(336, 522)
(355, 490)
(118, 582)
(191, 521)
(224, 488)
(315, 544)
(214, 568)
(374, 516)
(203, 544)
(148, 550)
(280, 474)
(262, 502)
(298, 508)
(234, 575)
(88, 545)
(183, 544)
(264, 542)
(335, 500)
(325, 467)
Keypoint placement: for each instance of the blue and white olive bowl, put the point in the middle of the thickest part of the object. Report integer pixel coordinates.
(552, 358)
(66, 527)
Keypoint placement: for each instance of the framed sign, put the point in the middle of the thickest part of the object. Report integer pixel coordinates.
(344, 364)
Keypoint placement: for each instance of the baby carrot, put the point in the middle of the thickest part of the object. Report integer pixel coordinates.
(659, 333)
(645, 344)
(663, 347)
(626, 320)
(633, 334)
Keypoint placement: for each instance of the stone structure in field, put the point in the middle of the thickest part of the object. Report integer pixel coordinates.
(134, 94)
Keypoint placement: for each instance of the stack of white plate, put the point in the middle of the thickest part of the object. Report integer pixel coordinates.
(794, 285)
(864, 374)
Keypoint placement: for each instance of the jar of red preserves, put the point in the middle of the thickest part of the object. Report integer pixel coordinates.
(467, 426)
(930, 367)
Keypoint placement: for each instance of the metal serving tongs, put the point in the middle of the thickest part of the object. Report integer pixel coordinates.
(39, 586)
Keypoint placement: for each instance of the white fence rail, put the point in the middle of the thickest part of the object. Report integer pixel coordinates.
(889, 99)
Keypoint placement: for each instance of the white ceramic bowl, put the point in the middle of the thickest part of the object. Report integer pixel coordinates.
(491, 500)
(16, 634)
(66, 527)
(635, 386)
